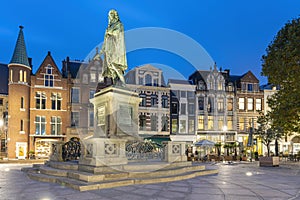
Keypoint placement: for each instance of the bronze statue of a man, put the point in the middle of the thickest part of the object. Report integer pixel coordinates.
(113, 49)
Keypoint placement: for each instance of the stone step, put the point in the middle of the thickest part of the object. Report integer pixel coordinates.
(130, 167)
(85, 186)
(88, 177)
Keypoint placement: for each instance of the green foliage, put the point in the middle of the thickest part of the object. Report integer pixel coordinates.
(267, 131)
(281, 65)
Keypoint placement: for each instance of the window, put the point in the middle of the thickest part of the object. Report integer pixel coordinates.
(211, 84)
(191, 109)
(40, 125)
(200, 122)
(242, 124)
(22, 103)
(91, 119)
(40, 100)
(155, 82)
(49, 78)
(75, 95)
(230, 104)
(85, 79)
(210, 124)
(92, 93)
(190, 94)
(148, 80)
(75, 119)
(164, 123)
(21, 76)
(153, 100)
(11, 75)
(191, 126)
(164, 101)
(258, 104)
(174, 126)
(183, 94)
(250, 103)
(210, 105)
(22, 125)
(182, 126)
(220, 105)
(183, 109)
(250, 87)
(25, 77)
(93, 77)
(1, 102)
(220, 85)
(153, 122)
(220, 123)
(174, 108)
(56, 101)
(230, 87)
(201, 103)
(143, 102)
(56, 125)
(142, 122)
(229, 123)
(141, 81)
(241, 103)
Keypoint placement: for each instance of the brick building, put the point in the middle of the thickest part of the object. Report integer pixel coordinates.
(3, 109)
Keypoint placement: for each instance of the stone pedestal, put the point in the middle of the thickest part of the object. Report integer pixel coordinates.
(103, 152)
(116, 113)
(56, 151)
(175, 152)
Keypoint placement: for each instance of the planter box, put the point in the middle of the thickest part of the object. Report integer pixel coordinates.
(269, 161)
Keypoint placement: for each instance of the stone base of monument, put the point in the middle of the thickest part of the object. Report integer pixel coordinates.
(103, 152)
(74, 175)
(103, 164)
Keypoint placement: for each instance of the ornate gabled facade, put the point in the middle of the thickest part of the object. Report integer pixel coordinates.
(216, 116)
(154, 114)
(249, 104)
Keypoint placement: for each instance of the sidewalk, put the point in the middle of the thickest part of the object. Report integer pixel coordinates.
(242, 181)
(25, 161)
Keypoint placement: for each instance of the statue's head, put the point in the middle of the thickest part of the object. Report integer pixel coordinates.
(113, 16)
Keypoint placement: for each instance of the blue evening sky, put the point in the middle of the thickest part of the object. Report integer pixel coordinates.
(234, 33)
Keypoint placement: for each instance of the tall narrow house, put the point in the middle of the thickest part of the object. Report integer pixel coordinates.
(19, 98)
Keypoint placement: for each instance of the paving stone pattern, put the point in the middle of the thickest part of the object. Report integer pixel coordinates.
(241, 181)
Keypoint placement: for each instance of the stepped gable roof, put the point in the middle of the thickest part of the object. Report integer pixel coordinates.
(20, 54)
(4, 79)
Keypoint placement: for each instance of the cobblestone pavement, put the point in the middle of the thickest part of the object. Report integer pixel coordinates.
(239, 181)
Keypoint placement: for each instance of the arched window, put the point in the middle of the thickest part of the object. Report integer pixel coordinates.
(11, 75)
(21, 76)
(25, 76)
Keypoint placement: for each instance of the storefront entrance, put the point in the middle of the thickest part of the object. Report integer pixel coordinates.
(42, 148)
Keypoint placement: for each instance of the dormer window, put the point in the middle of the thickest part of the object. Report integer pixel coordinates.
(250, 87)
(49, 78)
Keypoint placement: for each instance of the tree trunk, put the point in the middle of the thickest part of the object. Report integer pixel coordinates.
(276, 147)
(268, 148)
